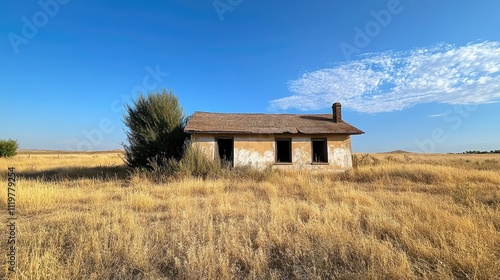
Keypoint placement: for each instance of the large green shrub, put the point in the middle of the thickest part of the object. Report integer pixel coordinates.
(8, 148)
(155, 129)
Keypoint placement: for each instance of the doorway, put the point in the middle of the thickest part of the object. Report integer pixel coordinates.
(225, 150)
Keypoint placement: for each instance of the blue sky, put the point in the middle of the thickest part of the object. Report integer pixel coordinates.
(417, 75)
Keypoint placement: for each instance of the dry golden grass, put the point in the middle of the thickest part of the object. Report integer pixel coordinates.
(81, 216)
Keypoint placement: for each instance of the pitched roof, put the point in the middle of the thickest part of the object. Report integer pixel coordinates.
(221, 123)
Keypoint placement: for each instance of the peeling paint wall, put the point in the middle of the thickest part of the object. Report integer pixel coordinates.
(301, 152)
(259, 150)
(339, 151)
(206, 143)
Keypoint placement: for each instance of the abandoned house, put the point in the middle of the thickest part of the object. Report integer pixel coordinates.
(282, 140)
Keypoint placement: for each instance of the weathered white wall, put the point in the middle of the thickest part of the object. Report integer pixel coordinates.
(259, 151)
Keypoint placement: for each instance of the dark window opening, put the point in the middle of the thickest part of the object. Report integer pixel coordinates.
(225, 150)
(319, 150)
(284, 150)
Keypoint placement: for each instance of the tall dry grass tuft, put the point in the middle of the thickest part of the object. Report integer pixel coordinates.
(392, 217)
(194, 164)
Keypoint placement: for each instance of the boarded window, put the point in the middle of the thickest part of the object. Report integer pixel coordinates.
(319, 150)
(284, 150)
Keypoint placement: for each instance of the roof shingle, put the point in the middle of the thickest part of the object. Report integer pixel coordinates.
(223, 123)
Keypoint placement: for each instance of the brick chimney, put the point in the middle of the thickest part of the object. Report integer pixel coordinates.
(337, 112)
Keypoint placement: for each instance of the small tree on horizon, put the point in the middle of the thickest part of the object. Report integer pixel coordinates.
(8, 148)
(156, 129)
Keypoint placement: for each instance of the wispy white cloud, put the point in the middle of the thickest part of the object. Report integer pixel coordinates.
(392, 81)
(436, 115)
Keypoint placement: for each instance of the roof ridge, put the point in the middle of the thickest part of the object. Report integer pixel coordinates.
(267, 114)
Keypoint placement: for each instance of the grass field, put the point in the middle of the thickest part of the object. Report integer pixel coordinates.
(395, 216)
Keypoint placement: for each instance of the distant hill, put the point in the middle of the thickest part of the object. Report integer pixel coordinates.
(398, 152)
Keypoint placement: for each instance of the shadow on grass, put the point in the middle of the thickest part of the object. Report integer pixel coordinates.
(71, 173)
